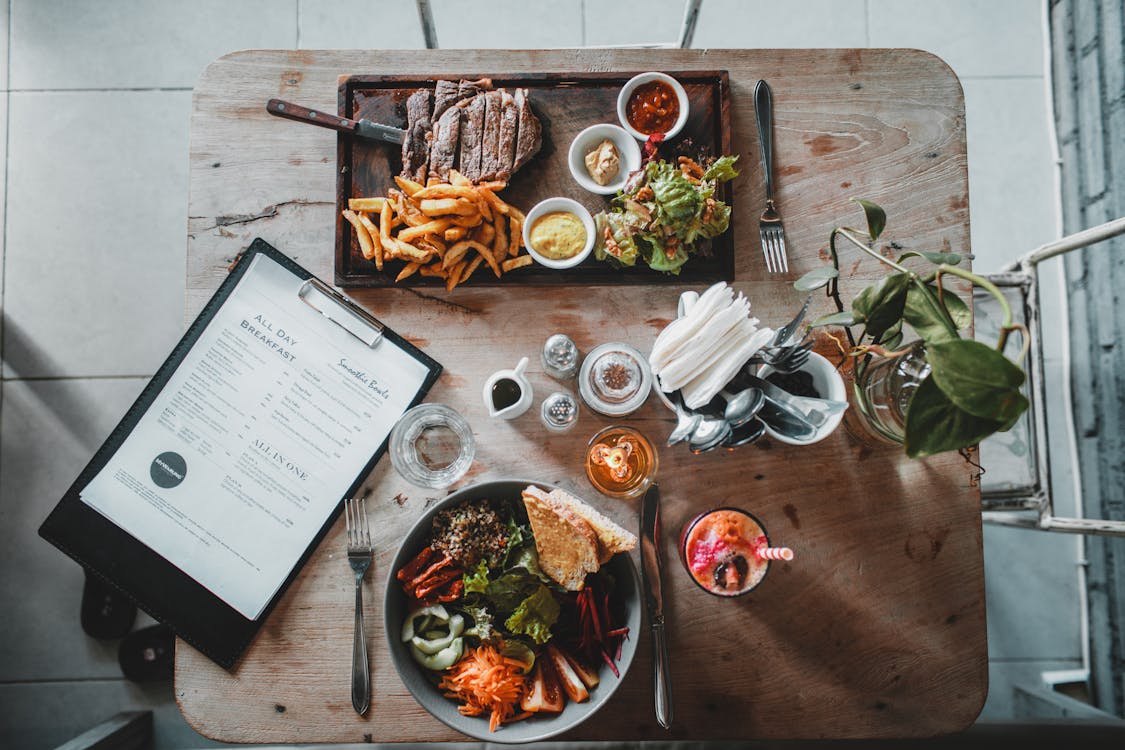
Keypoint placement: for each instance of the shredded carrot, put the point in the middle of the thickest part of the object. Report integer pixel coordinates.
(486, 681)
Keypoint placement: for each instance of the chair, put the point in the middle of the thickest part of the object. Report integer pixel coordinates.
(1024, 450)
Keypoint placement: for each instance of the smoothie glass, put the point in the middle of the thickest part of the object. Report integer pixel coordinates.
(726, 551)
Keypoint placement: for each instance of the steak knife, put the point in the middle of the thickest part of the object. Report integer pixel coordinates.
(654, 600)
(363, 128)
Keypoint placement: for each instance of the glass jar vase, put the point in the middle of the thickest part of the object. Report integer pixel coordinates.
(882, 389)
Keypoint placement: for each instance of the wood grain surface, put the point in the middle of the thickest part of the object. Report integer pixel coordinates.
(876, 629)
(566, 104)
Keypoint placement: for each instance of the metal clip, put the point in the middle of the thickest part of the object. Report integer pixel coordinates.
(354, 319)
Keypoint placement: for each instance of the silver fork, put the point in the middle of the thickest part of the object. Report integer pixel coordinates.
(769, 226)
(360, 553)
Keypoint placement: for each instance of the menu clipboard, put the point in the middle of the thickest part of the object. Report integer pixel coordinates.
(105, 514)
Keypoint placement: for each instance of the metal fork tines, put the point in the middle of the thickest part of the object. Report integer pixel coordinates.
(773, 239)
(360, 553)
(769, 226)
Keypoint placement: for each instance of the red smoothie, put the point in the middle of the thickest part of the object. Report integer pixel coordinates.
(718, 548)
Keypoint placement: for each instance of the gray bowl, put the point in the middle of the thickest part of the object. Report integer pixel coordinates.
(426, 693)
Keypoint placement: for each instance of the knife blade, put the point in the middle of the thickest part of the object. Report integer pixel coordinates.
(651, 572)
(363, 127)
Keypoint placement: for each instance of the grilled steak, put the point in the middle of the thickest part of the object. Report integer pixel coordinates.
(415, 147)
(509, 128)
(445, 96)
(465, 89)
(490, 143)
(472, 132)
(485, 134)
(443, 148)
(531, 132)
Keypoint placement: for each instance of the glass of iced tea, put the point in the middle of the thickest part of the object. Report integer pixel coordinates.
(620, 461)
(726, 551)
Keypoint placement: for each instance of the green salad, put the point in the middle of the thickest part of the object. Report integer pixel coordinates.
(664, 214)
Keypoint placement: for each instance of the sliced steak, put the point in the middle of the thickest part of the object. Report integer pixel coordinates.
(531, 132)
(472, 132)
(415, 147)
(509, 128)
(443, 149)
(445, 96)
(490, 143)
(466, 89)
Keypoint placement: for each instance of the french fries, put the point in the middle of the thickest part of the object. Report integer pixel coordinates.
(440, 230)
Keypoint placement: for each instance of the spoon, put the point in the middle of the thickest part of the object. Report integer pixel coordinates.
(742, 406)
(709, 434)
(815, 410)
(786, 420)
(686, 421)
(745, 434)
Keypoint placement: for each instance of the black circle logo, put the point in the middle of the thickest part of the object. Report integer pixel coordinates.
(168, 470)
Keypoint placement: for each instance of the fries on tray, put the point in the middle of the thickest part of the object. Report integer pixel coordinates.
(445, 230)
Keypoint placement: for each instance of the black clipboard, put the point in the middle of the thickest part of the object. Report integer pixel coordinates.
(153, 583)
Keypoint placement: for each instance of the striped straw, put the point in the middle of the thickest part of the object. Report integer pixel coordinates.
(775, 553)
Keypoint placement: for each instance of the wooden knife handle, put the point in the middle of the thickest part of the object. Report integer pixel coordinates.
(291, 111)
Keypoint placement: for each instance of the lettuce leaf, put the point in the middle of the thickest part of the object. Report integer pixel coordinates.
(677, 199)
(661, 262)
(476, 581)
(720, 220)
(507, 591)
(722, 170)
(622, 232)
(535, 616)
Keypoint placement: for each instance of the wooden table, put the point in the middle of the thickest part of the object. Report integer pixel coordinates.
(876, 629)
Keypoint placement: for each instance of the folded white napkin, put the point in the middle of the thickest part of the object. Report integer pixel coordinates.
(701, 351)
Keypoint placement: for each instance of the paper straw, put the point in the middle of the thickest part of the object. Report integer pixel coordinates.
(775, 553)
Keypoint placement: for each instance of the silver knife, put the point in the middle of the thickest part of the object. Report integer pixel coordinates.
(654, 599)
(364, 128)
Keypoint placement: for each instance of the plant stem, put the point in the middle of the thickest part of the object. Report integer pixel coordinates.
(863, 246)
(1006, 324)
(834, 284)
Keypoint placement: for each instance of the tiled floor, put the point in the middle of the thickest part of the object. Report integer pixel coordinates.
(95, 126)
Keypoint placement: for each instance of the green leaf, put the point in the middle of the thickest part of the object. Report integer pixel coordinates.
(876, 218)
(925, 314)
(957, 309)
(880, 305)
(476, 581)
(722, 170)
(978, 379)
(894, 331)
(934, 424)
(535, 615)
(815, 279)
(936, 258)
(835, 319)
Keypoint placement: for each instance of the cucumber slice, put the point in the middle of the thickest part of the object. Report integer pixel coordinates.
(443, 659)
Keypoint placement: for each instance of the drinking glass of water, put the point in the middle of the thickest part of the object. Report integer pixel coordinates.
(431, 446)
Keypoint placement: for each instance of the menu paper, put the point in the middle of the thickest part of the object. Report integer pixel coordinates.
(254, 439)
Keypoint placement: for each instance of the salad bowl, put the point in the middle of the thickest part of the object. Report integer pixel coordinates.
(422, 683)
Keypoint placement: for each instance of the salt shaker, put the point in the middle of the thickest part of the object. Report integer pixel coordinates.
(560, 357)
(559, 411)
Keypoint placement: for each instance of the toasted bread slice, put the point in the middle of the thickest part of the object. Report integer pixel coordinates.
(567, 544)
(612, 538)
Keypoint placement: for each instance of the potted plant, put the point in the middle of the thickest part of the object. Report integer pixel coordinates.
(939, 392)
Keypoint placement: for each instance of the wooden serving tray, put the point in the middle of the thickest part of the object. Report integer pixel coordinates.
(566, 103)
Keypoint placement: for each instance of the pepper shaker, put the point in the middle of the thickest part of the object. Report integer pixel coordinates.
(559, 411)
(560, 357)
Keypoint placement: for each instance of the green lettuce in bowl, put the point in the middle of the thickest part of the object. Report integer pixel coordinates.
(664, 214)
